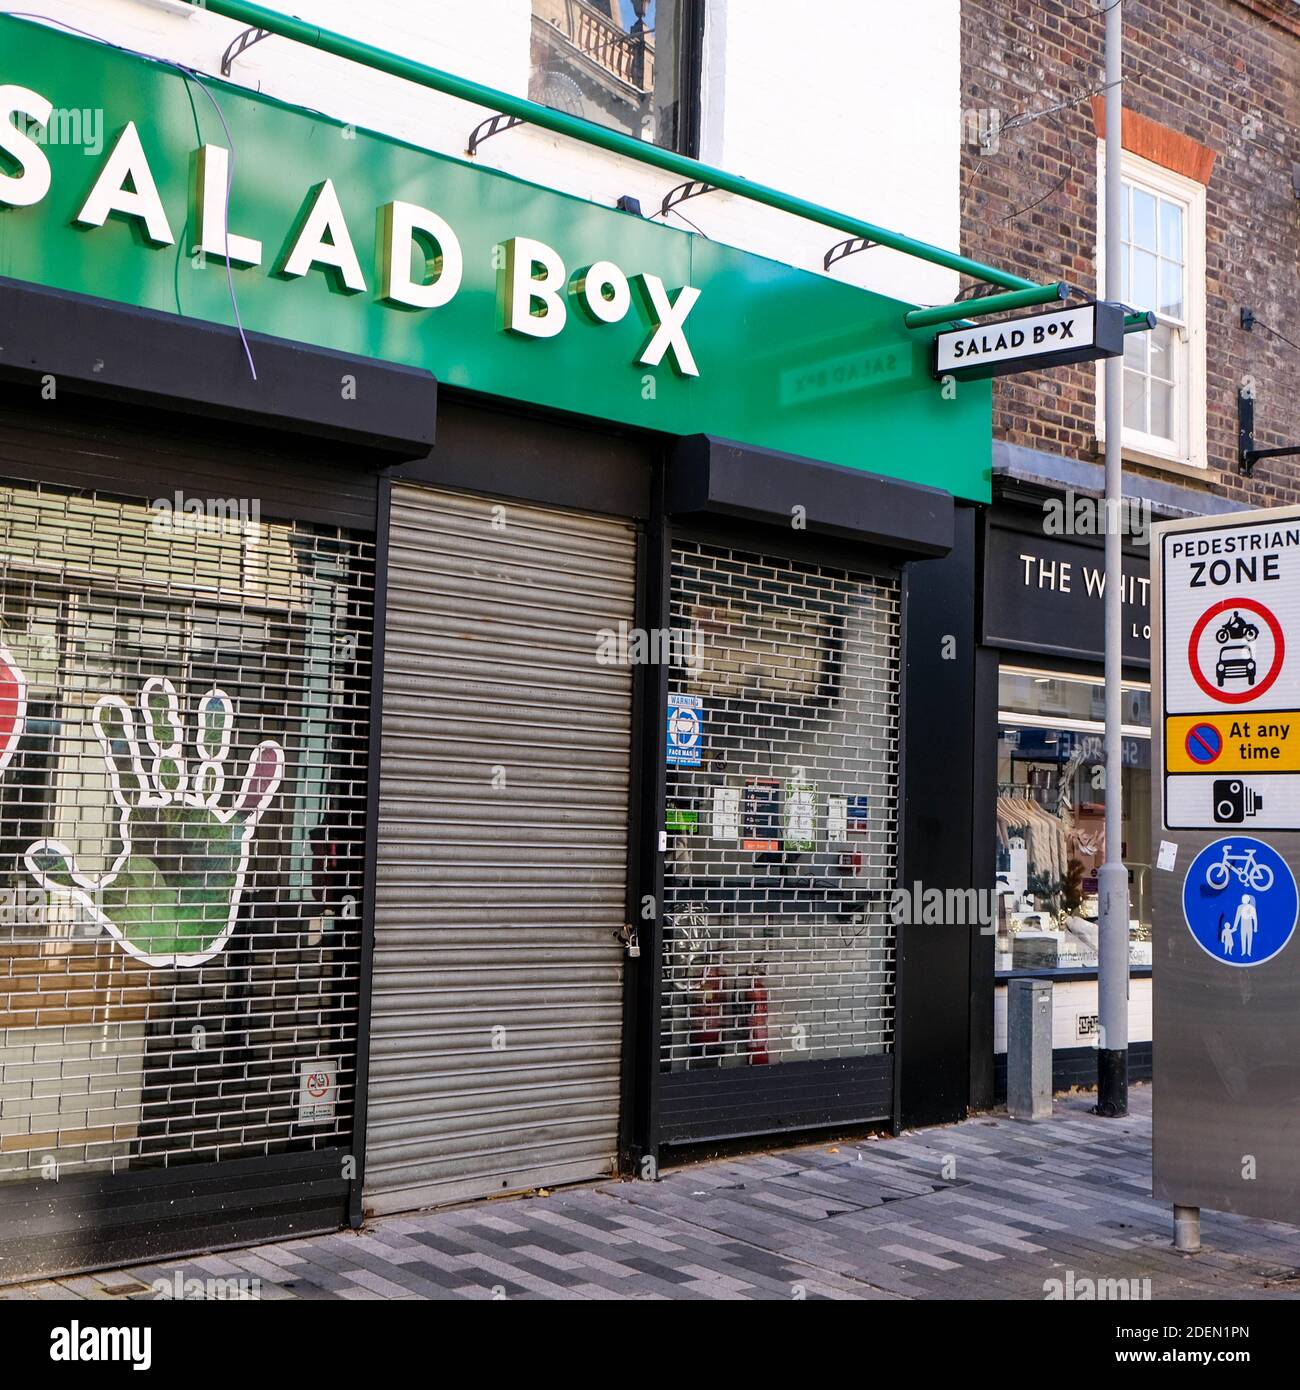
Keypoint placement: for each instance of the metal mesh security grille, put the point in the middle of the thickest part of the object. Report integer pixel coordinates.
(782, 812)
(183, 714)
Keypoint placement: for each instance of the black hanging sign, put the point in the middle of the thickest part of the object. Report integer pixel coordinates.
(1081, 334)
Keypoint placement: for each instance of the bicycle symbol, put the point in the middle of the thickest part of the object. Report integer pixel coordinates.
(1248, 871)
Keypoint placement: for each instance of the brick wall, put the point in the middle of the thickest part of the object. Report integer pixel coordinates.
(1222, 72)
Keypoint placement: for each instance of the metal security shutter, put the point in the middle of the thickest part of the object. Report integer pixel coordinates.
(503, 843)
(779, 964)
(166, 999)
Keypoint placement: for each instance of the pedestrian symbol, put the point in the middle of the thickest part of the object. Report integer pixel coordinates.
(1240, 901)
(1204, 743)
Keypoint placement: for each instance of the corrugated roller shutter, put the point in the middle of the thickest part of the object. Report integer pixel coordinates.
(498, 996)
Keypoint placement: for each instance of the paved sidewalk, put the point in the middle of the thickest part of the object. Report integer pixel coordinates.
(990, 1208)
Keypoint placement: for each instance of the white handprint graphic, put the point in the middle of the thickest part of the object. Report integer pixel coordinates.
(172, 895)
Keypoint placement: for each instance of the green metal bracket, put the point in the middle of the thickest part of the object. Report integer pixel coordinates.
(989, 304)
(380, 60)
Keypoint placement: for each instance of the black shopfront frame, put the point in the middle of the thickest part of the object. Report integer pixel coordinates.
(148, 436)
(135, 405)
(1057, 633)
(715, 492)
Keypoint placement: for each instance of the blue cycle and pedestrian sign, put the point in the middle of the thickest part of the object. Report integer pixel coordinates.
(1240, 901)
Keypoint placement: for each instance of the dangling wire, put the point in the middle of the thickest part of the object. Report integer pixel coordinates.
(230, 168)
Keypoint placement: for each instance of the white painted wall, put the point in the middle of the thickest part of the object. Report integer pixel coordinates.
(856, 107)
(1070, 998)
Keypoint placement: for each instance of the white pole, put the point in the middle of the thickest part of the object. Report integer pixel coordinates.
(1112, 878)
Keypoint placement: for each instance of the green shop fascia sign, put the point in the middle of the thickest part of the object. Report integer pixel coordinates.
(120, 178)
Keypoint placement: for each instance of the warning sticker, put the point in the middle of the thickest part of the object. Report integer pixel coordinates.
(685, 730)
(317, 1091)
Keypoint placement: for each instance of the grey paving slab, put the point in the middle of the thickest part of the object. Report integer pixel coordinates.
(989, 1208)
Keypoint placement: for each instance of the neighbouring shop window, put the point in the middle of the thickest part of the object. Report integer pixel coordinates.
(183, 718)
(1051, 806)
(782, 797)
(630, 64)
(1163, 256)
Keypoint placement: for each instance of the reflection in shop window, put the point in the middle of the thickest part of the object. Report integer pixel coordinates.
(619, 63)
(1050, 818)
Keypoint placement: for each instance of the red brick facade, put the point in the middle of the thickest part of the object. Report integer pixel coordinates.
(1212, 90)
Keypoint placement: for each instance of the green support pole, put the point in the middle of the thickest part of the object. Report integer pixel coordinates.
(380, 60)
(989, 304)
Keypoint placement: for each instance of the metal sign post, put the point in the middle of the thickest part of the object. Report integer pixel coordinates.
(1226, 833)
(1112, 877)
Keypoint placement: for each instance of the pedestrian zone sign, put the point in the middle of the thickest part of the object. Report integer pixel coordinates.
(1230, 600)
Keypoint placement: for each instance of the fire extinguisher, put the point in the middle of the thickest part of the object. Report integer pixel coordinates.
(708, 1018)
(756, 997)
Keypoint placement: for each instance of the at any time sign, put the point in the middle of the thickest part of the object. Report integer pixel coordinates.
(1231, 673)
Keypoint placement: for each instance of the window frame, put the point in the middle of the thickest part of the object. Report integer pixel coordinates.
(689, 78)
(1188, 449)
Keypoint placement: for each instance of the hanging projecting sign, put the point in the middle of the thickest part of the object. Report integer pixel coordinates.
(1231, 675)
(1051, 339)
